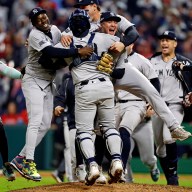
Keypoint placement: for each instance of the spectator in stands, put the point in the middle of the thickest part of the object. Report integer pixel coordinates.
(11, 117)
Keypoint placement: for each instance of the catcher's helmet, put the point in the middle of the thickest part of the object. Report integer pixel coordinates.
(79, 23)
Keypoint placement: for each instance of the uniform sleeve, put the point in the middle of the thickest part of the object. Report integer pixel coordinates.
(124, 24)
(129, 31)
(38, 40)
(9, 71)
(106, 41)
(67, 32)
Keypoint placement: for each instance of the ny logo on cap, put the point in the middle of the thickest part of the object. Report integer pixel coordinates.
(166, 33)
(35, 11)
(112, 14)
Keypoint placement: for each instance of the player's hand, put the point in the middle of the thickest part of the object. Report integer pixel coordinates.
(58, 110)
(117, 47)
(187, 101)
(149, 111)
(66, 40)
(26, 43)
(85, 51)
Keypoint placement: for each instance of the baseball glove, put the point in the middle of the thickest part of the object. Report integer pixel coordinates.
(105, 64)
(187, 101)
(176, 65)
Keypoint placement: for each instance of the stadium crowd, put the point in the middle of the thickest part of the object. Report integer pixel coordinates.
(151, 17)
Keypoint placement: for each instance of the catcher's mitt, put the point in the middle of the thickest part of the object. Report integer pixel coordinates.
(187, 101)
(105, 64)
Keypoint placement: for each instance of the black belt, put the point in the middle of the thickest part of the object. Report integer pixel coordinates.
(125, 101)
(87, 81)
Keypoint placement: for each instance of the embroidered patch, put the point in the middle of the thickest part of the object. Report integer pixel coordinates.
(42, 42)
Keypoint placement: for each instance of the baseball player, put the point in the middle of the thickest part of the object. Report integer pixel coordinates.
(172, 92)
(134, 126)
(37, 86)
(128, 102)
(7, 169)
(94, 94)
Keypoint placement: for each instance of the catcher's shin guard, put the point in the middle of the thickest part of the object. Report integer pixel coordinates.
(86, 146)
(113, 143)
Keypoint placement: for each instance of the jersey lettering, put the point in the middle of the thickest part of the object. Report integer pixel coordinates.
(170, 72)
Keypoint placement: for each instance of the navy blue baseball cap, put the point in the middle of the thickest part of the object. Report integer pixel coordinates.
(109, 16)
(35, 12)
(168, 35)
(86, 2)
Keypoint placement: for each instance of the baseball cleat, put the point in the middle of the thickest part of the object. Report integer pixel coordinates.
(92, 175)
(115, 171)
(173, 180)
(101, 179)
(8, 171)
(17, 163)
(122, 178)
(180, 134)
(155, 174)
(81, 173)
(58, 176)
(30, 171)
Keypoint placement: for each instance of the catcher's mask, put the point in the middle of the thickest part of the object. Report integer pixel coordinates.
(79, 23)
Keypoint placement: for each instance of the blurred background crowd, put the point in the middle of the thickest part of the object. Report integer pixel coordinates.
(151, 17)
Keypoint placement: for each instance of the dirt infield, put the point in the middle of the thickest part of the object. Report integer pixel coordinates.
(80, 187)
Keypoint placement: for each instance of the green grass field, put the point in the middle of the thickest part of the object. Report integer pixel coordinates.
(20, 182)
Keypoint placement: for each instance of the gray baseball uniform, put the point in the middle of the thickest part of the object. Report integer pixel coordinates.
(94, 93)
(136, 83)
(37, 85)
(171, 90)
(130, 110)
